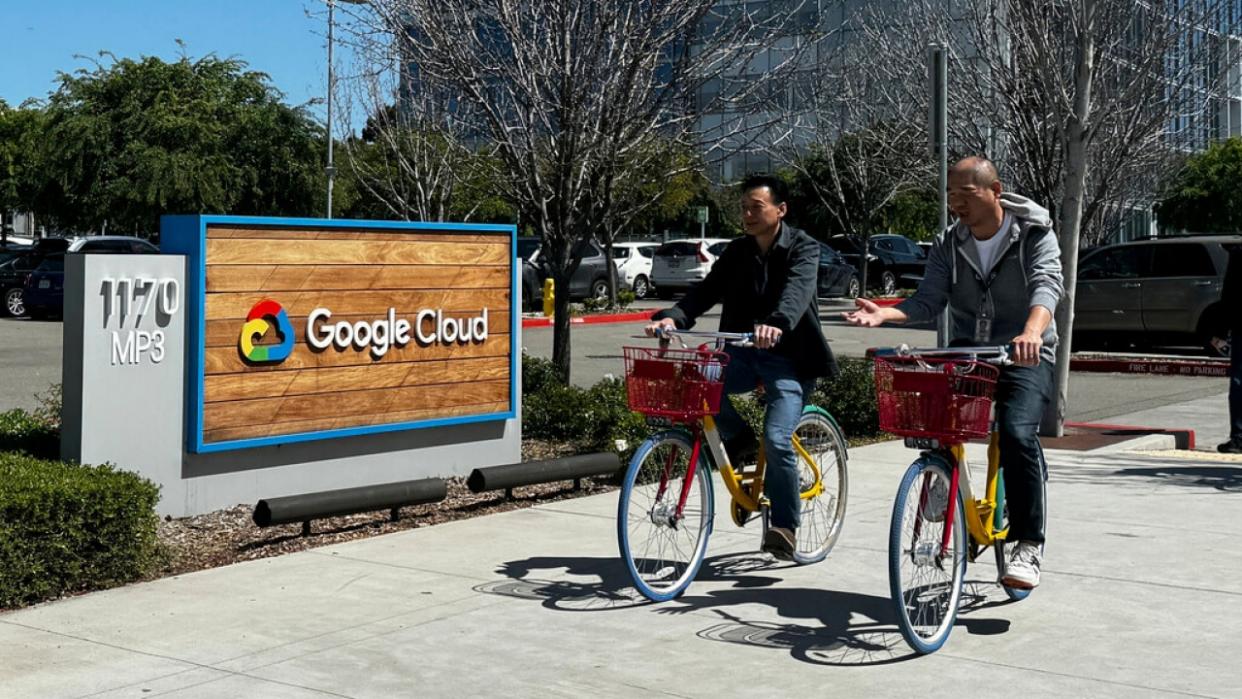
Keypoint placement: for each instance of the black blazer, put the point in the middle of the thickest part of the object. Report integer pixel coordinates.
(778, 290)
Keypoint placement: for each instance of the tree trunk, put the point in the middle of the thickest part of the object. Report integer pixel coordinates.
(612, 271)
(1077, 135)
(560, 326)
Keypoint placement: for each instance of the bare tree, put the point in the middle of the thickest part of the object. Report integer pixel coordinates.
(1078, 101)
(567, 90)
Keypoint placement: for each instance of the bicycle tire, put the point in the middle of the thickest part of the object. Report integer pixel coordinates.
(925, 622)
(644, 522)
(823, 516)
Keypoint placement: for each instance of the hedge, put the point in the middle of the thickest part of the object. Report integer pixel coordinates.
(66, 528)
(20, 431)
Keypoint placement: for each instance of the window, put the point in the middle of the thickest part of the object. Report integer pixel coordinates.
(885, 245)
(1126, 262)
(718, 248)
(54, 263)
(526, 247)
(647, 251)
(677, 249)
(620, 253)
(1182, 260)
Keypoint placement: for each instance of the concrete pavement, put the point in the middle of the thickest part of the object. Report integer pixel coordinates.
(1142, 596)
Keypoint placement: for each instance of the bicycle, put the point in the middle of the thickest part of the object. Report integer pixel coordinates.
(666, 509)
(937, 400)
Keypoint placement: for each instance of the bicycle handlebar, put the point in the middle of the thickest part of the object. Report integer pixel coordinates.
(734, 339)
(993, 354)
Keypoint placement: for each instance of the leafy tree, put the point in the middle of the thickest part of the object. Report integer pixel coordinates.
(1204, 196)
(126, 142)
(19, 169)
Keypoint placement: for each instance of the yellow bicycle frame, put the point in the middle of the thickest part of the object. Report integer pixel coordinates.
(981, 513)
(747, 489)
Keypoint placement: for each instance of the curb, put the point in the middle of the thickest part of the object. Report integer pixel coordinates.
(589, 320)
(1183, 438)
(1146, 365)
(1149, 442)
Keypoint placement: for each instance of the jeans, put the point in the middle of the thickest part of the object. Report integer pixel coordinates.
(786, 395)
(1022, 393)
(1235, 392)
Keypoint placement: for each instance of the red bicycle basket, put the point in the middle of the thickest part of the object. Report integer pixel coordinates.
(949, 400)
(682, 385)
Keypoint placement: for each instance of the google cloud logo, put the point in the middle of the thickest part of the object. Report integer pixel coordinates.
(257, 326)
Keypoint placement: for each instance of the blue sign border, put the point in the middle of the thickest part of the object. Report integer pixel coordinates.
(187, 235)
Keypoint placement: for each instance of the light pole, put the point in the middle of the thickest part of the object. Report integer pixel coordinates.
(331, 169)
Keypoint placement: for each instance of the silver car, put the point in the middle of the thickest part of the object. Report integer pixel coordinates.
(680, 264)
(1152, 292)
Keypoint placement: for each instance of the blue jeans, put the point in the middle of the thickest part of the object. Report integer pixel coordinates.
(1235, 391)
(1022, 393)
(786, 395)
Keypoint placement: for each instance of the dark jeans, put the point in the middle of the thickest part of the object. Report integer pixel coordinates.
(1235, 392)
(785, 395)
(1022, 393)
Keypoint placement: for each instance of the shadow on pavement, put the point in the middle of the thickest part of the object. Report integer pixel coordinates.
(1226, 478)
(826, 627)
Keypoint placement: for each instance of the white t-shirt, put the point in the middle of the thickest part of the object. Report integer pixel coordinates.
(989, 249)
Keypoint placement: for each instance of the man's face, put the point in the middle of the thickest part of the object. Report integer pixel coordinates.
(968, 201)
(759, 214)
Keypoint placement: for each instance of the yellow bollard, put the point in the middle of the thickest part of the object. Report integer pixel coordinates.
(549, 297)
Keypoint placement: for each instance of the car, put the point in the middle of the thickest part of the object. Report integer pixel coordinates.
(837, 278)
(589, 279)
(1158, 291)
(633, 261)
(893, 261)
(680, 264)
(43, 292)
(15, 266)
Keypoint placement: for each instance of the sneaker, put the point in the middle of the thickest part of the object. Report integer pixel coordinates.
(1230, 447)
(1022, 571)
(780, 542)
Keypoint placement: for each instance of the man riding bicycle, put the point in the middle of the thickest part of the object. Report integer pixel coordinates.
(999, 271)
(766, 282)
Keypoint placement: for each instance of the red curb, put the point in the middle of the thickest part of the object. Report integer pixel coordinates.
(885, 303)
(1166, 367)
(1184, 438)
(589, 320)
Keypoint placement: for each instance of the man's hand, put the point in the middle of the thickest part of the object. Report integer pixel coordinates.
(868, 315)
(1026, 348)
(660, 326)
(766, 336)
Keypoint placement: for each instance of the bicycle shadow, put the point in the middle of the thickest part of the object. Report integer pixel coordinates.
(825, 627)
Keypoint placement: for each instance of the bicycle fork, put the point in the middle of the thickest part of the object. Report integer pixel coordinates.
(924, 553)
(661, 513)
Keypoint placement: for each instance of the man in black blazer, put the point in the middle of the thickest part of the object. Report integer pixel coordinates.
(766, 281)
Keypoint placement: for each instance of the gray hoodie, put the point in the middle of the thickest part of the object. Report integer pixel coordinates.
(992, 310)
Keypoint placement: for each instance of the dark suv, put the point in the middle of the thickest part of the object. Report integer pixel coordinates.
(893, 261)
(591, 277)
(1159, 291)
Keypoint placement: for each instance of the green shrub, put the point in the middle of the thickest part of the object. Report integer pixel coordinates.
(594, 419)
(537, 372)
(625, 297)
(850, 398)
(66, 528)
(22, 432)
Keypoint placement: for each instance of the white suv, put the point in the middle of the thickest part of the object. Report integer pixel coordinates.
(633, 261)
(680, 264)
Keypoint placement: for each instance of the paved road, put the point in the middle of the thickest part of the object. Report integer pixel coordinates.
(534, 603)
(30, 353)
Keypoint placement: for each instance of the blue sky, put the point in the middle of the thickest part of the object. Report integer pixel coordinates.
(41, 37)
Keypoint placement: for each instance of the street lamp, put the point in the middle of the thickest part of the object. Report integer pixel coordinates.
(330, 169)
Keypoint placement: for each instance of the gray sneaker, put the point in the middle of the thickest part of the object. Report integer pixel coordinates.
(1022, 570)
(781, 543)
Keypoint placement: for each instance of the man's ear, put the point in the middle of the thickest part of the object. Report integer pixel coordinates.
(996, 188)
(783, 209)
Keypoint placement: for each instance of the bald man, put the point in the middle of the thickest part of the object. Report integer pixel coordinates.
(998, 269)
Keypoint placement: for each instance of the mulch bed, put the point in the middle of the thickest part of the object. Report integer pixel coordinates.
(229, 536)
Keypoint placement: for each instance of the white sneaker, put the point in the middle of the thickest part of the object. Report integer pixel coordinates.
(1022, 570)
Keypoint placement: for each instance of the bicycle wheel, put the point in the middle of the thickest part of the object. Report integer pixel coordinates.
(663, 551)
(925, 582)
(824, 514)
(1015, 594)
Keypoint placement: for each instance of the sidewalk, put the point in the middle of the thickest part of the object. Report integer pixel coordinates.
(1142, 596)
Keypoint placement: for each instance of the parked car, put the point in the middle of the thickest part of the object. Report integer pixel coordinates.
(15, 266)
(893, 261)
(591, 277)
(43, 292)
(680, 264)
(532, 279)
(1159, 291)
(633, 261)
(837, 277)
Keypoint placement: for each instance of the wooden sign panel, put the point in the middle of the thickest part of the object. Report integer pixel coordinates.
(316, 329)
